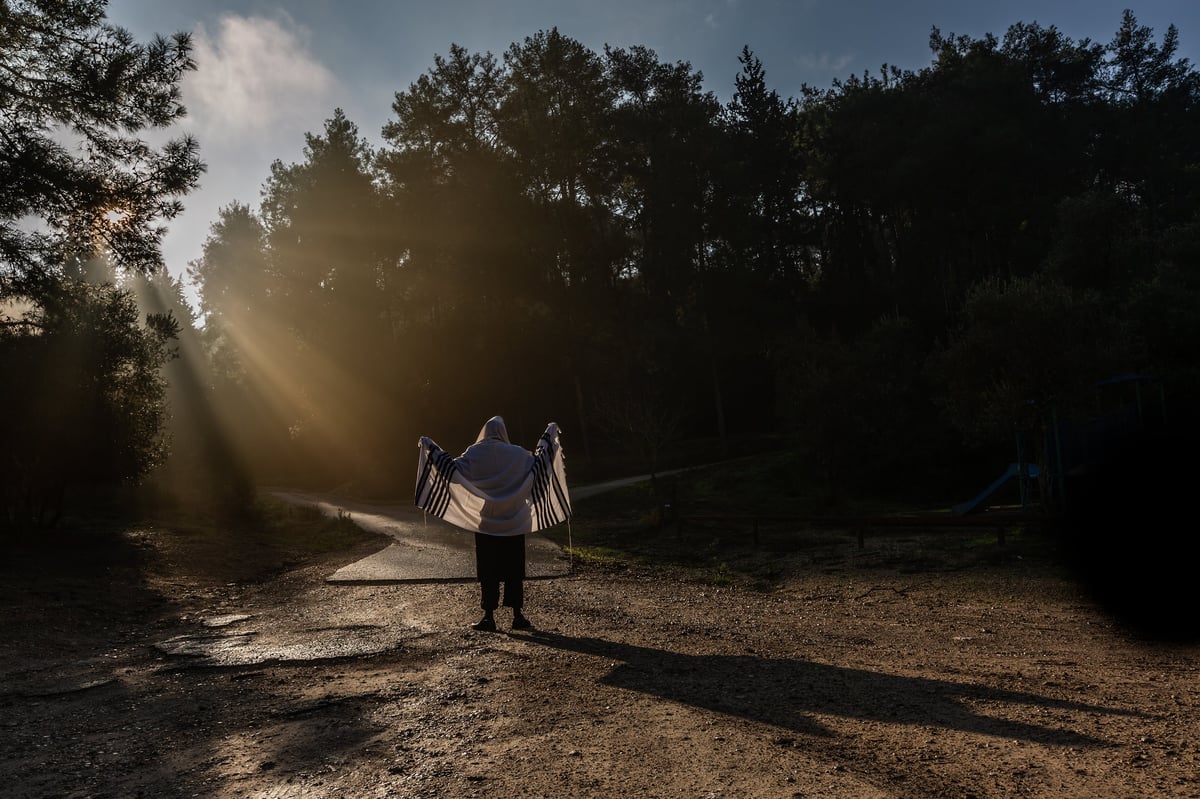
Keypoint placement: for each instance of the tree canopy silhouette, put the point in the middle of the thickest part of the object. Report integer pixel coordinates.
(869, 270)
(82, 194)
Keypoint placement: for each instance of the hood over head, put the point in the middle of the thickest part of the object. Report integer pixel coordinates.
(494, 428)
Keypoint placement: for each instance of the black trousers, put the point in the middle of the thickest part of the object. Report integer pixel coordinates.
(500, 559)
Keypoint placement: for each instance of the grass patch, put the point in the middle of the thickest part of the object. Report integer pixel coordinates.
(269, 537)
(271, 523)
(719, 543)
(304, 530)
(598, 556)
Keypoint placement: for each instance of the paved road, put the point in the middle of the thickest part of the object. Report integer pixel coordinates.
(425, 549)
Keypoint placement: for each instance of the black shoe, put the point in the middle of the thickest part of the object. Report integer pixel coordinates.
(520, 622)
(487, 624)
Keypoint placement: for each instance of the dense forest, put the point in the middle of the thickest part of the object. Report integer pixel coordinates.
(897, 275)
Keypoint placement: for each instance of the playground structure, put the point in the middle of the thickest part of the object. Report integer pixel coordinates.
(1066, 450)
(1024, 472)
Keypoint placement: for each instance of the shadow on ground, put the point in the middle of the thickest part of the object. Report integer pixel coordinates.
(790, 693)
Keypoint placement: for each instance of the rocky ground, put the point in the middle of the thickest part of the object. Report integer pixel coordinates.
(157, 668)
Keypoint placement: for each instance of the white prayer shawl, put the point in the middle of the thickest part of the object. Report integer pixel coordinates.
(495, 487)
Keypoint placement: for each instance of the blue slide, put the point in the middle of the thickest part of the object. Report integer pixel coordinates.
(1031, 471)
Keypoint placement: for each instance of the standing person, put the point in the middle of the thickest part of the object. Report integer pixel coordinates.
(500, 491)
(500, 559)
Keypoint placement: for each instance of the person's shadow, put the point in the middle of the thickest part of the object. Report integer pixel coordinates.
(790, 693)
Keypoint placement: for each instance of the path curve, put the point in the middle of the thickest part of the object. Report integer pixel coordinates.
(425, 549)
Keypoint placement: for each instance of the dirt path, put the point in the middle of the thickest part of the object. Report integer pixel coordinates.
(137, 677)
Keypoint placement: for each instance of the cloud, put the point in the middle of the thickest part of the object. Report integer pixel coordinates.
(254, 76)
(825, 62)
(257, 88)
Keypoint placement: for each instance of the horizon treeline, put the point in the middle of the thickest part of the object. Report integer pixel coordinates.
(889, 276)
(889, 271)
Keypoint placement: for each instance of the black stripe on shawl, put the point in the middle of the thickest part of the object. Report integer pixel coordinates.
(428, 481)
(537, 494)
(445, 468)
(548, 497)
(563, 504)
(423, 480)
(439, 469)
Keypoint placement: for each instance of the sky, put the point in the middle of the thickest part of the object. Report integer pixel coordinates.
(269, 72)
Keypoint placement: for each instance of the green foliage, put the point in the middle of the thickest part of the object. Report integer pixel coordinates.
(859, 410)
(63, 69)
(1165, 332)
(81, 195)
(232, 273)
(89, 408)
(593, 238)
(1026, 347)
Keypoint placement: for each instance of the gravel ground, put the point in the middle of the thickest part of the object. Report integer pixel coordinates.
(148, 670)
